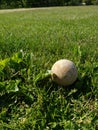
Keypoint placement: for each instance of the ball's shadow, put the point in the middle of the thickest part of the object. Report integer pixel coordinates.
(82, 86)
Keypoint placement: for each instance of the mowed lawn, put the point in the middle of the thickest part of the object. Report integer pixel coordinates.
(31, 40)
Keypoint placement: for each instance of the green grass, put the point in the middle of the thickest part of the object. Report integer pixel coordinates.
(30, 42)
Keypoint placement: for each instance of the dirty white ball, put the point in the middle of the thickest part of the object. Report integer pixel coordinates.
(64, 72)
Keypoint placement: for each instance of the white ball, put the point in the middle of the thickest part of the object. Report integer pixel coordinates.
(64, 72)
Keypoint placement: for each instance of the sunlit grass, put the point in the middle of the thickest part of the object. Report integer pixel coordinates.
(30, 42)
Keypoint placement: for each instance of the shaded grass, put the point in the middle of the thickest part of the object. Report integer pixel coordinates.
(46, 36)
